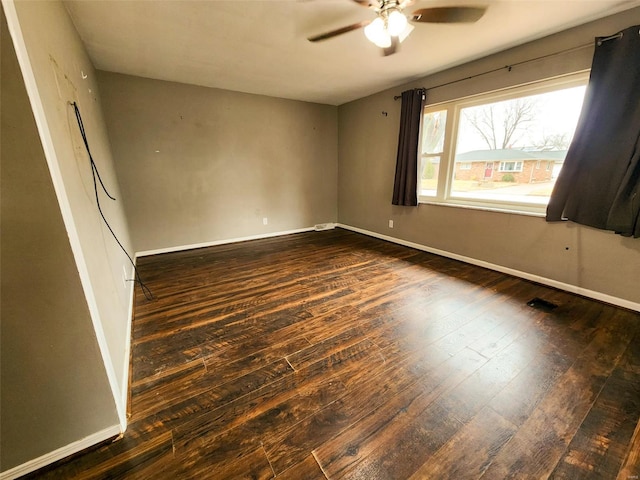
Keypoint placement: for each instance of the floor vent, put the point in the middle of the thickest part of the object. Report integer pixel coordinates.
(540, 304)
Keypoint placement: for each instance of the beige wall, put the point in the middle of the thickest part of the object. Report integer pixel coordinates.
(579, 256)
(199, 165)
(63, 73)
(54, 385)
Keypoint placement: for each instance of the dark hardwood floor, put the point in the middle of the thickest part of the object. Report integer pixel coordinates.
(335, 355)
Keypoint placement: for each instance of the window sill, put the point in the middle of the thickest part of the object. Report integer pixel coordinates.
(486, 208)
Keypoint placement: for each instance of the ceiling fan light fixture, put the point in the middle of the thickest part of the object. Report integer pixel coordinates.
(376, 32)
(405, 33)
(396, 23)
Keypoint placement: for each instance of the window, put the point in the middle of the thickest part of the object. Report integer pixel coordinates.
(487, 151)
(510, 166)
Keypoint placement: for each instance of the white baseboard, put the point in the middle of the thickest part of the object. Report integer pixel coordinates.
(603, 297)
(179, 248)
(59, 454)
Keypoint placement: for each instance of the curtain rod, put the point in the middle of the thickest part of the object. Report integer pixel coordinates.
(509, 67)
(606, 39)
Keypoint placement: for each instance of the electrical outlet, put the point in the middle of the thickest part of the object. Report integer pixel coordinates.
(265, 221)
(390, 223)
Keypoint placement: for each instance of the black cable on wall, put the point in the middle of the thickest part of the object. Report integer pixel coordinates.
(96, 178)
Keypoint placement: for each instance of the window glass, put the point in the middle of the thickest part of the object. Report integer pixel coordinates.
(501, 144)
(428, 180)
(433, 130)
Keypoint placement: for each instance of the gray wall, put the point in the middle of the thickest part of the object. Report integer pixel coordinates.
(198, 164)
(54, 385)
(64, 73)
(579, 256)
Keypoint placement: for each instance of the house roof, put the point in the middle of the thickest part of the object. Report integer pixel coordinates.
(510, 155)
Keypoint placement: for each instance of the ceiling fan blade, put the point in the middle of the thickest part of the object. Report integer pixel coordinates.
(448, 14)
(339, 31)
(368, 3)
(395, 42)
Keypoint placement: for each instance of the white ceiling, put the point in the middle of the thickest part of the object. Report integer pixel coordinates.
(260, 46)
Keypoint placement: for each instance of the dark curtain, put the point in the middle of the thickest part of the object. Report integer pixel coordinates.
(599, 184)
(405, 185)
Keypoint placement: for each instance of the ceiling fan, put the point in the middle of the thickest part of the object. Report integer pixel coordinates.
(391, 26)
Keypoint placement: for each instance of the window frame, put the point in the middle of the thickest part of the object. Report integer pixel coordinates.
(454, 108)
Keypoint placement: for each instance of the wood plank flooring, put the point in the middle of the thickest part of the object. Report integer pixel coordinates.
(336, 355)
